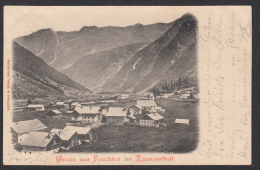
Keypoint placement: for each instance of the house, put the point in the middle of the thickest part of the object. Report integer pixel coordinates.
(107, 101)
(88, 103)
(21, 129)
(134, 110)
(35, 107)
(151, 120)
(182, 121)
(67, 113)
(167, 95)
(123, 98)
(68, 137)
(74, 105)
(116, 115)
(60, 105)
(41, 142)
(84, 134)
(54, 113)
(147, 105)
(87, 114)
(184, 96)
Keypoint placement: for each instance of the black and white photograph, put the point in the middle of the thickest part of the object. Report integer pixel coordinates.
(107, 89)
(151, 83)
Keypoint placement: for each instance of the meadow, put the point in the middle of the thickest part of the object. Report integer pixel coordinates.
(173, 138)
(129, 138)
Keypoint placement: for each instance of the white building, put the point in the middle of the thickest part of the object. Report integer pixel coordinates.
(151, 120)
(87, 114)
(117, 115)
(148, 105)
(35, 107)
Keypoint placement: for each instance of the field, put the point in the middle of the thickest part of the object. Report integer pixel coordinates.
(129, 138)
(126, 138)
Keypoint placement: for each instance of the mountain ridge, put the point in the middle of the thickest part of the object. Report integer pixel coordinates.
(160, 57)
(121, 59)
(28, 66)
(57, 48)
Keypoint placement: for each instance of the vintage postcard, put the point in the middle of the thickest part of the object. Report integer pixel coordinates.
(127, 85)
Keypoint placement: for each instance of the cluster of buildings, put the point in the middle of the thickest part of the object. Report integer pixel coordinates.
(185, 93)
(31, 135)
(82, 113)
(84, 117)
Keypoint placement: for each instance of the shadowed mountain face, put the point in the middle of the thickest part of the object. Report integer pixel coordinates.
(94, 70)
(169, 57)
(62, 49)
(32, 73)
(120, 59)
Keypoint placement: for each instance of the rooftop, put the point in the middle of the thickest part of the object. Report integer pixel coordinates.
(88, 109)
(35, 105)
(64, 134)
(155, 116)
(117, 112)
(39, 139)
(27, 126)
(182, 121)
(146, 103)
(79, 130)
(56, 111)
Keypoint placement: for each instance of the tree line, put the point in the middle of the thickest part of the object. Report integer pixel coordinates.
(169, 87)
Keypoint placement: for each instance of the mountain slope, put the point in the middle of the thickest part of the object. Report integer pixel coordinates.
(169, 57)
(94, 70)
(62, 49)
(33, 69)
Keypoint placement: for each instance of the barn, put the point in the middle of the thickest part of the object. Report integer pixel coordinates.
(21, 129)
(60, 105)
(35, 107)
(54, 113)
(68, 137)
(84, 134)
(123, 98)
(41, 142)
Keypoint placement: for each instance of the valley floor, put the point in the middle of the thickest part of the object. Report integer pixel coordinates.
(130, 138)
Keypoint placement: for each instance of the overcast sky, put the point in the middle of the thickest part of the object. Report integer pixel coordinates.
(25, 19)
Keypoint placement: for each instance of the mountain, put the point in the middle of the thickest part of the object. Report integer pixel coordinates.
(94, 70)
(121, 59)
(33, 77)
(62, 49)
(171, 56)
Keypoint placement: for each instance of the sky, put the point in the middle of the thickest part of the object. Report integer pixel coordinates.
(24, 20)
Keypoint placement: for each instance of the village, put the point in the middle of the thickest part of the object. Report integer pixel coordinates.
(108, 123)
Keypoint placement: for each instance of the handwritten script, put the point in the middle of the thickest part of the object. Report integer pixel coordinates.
(225, 42)
(15, 158)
